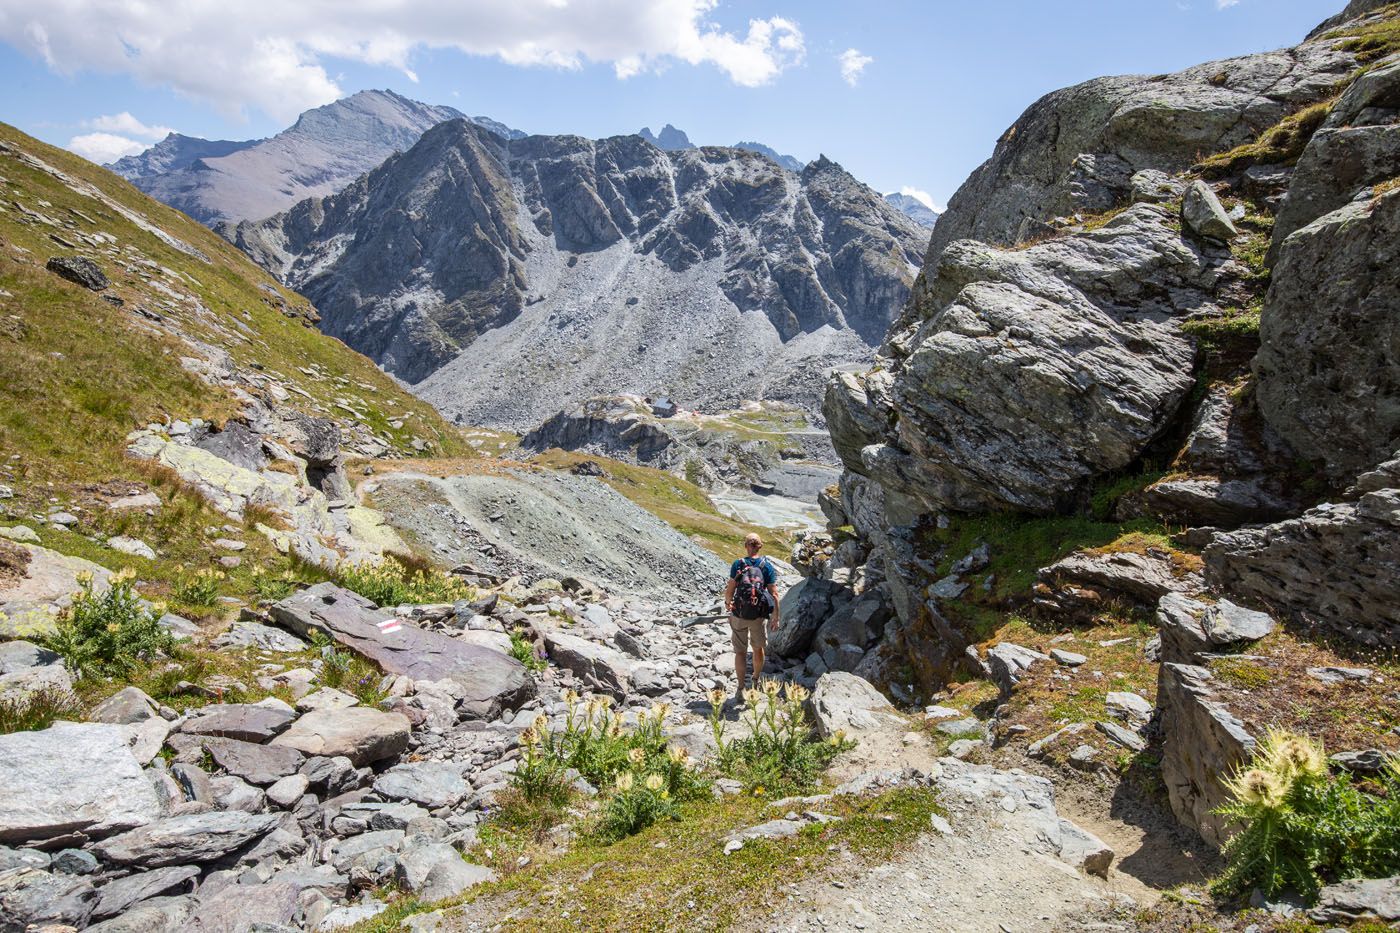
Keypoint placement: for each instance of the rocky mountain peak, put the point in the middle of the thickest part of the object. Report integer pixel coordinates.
(669, 139)
(712, 274)
(324, 150)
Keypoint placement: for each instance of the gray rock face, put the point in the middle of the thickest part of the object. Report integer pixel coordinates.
(1357, 146)
(52, 787)
(435, 870)
(804, 607)
(1025, 373)
(1203, 744)
(158, 915)
(327, 148)
(1191, 628)
(491, 681)
(264, 637)
(17, 656)
(508, 239)
(849, 704)
(180, 840)
(1125, 124)
(1337, 565)
(126, 706)
(361, 734)
(1326, 370)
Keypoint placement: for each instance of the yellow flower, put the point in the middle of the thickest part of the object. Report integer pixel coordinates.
(796, 693)
(624, 782)
(541, 722)
(771, 687)
(661, 711)
(113, 628)
(1289, 755)
(84, 578)
(751, 696)
(637, 756)
(1259, 787)
(654, 782)
(839, 735)
(716, 697)
(678, 754)
(758, 791)
(570, 697)
(121, 576)
(615, 729)
(529, 737)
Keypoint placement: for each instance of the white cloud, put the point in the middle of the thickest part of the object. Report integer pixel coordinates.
(271, 55)
(104, 147)
(852, 64)
(124, 122)
(1225, 4)
(924, 198)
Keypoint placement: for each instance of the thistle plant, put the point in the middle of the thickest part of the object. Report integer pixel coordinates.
(1301, 827)
(109, 634)
(781, 754)
(391, 582)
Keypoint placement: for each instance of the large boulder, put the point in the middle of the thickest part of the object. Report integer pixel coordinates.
(179, 840)
(71, 778)
(1191, 628)
(1029, 372)
(1361, 899)
(803, 608)
(1326, 367)
(121, 894)
(361, 734)
(491, 681)
(257, 764)
(432, 784)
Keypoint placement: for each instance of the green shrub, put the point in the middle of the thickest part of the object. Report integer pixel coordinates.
(1303, 827)
(199, 589)
(111, 634)
(394, 581)
(524, 652)
(274, 586)
(37, 710)
(780, 755)
(342, 670)
(647, 776)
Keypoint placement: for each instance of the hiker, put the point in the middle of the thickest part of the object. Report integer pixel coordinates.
(751, 598)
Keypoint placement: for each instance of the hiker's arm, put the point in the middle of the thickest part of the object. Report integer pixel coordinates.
(729, 594)
(777, 614)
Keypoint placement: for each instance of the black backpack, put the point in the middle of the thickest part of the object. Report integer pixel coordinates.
(751, 597)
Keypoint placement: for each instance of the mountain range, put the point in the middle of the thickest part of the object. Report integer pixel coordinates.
(218, 181)
(575, 267)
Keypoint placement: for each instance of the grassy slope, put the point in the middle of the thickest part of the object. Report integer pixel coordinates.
(77, 373)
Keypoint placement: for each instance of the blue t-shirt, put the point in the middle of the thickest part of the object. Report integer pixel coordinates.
(770, 576)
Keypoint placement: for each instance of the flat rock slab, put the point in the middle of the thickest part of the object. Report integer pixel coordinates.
(71, 778)
(359, 733)
(256, 764)
(118, 896)
(244, 634)
(32, 899)
(432, 784)
(491, 681)
(241, 908)
(600, 667)
(243, 721)
(180, 840)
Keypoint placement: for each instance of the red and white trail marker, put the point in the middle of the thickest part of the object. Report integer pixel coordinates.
(390, 625)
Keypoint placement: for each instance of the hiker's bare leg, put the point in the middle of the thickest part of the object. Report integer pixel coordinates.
(757, 665)
(740, 668)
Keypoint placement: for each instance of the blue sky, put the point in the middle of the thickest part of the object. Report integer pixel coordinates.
(925, 90)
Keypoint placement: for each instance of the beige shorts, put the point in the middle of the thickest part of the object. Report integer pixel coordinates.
(741, 630)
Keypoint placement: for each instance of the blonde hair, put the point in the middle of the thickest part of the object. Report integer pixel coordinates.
(752, 539)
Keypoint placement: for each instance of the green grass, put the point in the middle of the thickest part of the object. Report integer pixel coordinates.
(1280, 144)
(77, 373)
(37, 710)
(1375, 41)
(674, 875)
